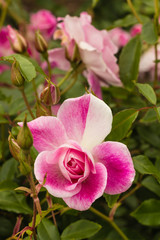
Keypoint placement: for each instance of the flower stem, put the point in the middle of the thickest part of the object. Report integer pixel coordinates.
(3, 140)
(4, 12)
(35, 89)
(49, 68)
(134, 11)
(34, 221)
(70, 85)
(49, 201)
(117, 204)
(27, 103)
(131, 192)
(107, 219)
(156, 4)
(68, 74)
(156, 20)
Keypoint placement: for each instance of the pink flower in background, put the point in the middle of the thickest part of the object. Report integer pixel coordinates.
(5, 48)
(136, 29)
(147, 64)
(77, 166)
(119, 37)
(44, 21)
(96, 48)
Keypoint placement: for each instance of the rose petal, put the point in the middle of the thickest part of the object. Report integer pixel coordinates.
(93, 37)
(87, 120)
(58, 59)
(46, 166)
(117, 159)
(74, 29)
(92, 188)
(94, 83)
(48, 133)
(99, 67)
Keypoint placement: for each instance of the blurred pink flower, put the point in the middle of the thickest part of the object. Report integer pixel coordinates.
(119, 37)
(5, 48)
(75, 163)
(44, 21)
(147, 64)
(136, 29)
(96, 48)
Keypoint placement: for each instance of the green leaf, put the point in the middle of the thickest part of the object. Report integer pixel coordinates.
(151, 184)
(37, 67)
(157, 110)
(149, 135)
(147, 91)
(7, 185)
(111, 199)
(11, 201)
(8, 170)
(3, 120)
(149, 33)
(26, 67)
(122, 122)
(148, 213)
(46, 230)
(129, 62)
(80, 230)
(43, 215)
(6, 227)
(127, 21)
(144, 166)
(149, 117)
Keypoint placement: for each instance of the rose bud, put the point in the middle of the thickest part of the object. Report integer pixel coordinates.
(13, 147)
(17, 41)
(16, 76)
(40, 43)
(50, 95)
(24, 138)
(42, 110)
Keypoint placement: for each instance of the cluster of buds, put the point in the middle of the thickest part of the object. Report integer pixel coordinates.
(20, 147)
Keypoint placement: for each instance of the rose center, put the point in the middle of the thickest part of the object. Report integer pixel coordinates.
(75, 167)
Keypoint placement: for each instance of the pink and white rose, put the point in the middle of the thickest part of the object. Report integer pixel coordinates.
(72, 159)
(95, 47)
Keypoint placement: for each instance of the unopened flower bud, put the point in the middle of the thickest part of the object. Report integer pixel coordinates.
(50, 95)
(13, 147)
(24, 138)
(17, 41)
(24, 167)
(15, 131)
(40, 43)
(42, 110)
(16, 76)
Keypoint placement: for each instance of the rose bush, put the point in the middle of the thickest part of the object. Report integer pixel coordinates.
(73, 162)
